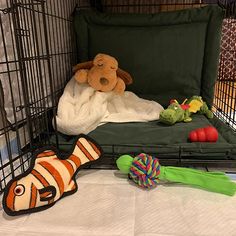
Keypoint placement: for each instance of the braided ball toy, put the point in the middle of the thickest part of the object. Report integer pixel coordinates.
(147, 172)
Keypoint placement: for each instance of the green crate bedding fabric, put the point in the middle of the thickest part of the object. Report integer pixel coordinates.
(165, 141)
(170, 55)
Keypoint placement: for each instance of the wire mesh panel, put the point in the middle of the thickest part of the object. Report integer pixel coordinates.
(35, 62)
(225, 89)
(12, 160)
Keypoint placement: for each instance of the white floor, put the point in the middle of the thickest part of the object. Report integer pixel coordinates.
(107, 204)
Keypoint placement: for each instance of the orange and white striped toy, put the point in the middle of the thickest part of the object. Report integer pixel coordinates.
(49, 178)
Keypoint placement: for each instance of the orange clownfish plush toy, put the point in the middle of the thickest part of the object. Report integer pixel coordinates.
(49, 178)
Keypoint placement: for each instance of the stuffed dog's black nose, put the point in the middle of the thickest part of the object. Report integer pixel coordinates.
(104, 81)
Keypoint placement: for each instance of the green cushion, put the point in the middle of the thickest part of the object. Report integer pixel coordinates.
(170, 54)
(165, 141)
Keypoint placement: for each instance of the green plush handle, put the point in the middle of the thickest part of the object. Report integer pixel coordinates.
(212, 181)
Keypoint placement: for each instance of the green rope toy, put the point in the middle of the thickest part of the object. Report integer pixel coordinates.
(147, 172)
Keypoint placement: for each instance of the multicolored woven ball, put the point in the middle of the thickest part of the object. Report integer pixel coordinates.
(145, 170)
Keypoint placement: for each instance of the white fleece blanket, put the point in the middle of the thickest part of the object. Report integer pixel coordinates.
(81, 109)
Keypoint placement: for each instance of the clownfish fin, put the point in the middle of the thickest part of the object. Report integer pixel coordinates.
(85, 150)
(45, 155)
(47, 193)
(72, 186)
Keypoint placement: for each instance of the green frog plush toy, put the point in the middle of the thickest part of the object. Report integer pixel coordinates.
(176, 112)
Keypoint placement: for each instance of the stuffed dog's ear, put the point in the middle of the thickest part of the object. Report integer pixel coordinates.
(84, 65)
(125, 76)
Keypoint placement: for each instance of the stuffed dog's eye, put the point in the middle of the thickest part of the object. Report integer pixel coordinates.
(113, 68)
(100, 64)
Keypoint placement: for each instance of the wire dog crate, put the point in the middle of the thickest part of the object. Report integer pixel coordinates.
(37, 55)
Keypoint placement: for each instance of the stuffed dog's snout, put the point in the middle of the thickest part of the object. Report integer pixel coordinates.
(104, 81)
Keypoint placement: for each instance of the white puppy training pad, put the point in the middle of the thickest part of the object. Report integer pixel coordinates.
(81, 108)
(107, 204)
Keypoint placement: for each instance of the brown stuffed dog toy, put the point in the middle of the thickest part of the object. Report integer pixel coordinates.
(103, 74)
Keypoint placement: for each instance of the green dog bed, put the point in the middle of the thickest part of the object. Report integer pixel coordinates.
(161, 140)
(171, 55)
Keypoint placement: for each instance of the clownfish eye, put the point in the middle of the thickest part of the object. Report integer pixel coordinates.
(19, 190)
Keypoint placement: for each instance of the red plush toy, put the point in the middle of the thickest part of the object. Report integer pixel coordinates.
(205, 134)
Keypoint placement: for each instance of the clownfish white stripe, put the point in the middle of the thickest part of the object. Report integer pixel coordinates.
(58, 165)
(89, 148)
(71, 185)
(83, 158)
(40, 178)
(85, 151)
(43, 182)
(25, 197)
(69, 167)
(55, 174)
(38, 184)
(48, 176)
(76, 160)
(95, 148)
(72, 164)
(36, 181)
